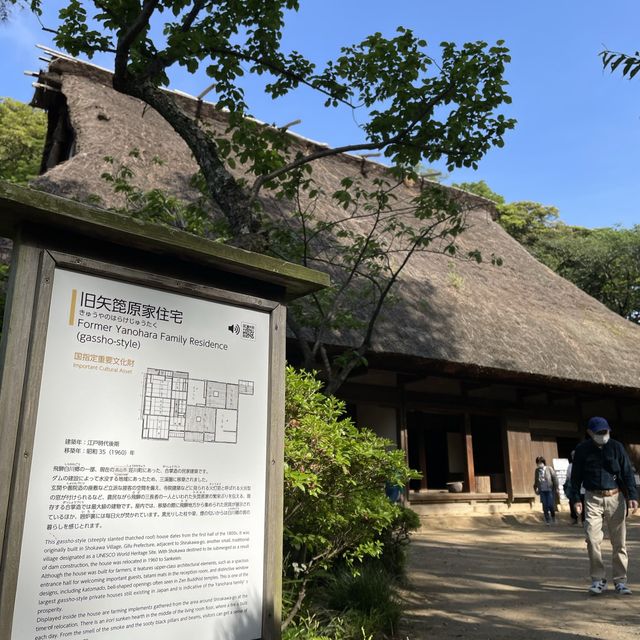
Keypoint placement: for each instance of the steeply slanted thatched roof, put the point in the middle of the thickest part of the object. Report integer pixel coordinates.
(517, 320)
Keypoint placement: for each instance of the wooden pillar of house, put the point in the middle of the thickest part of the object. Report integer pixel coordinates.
(470, 473)
(402, 434)
(423, 459)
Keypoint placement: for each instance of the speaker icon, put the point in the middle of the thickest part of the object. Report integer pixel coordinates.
(234, 328)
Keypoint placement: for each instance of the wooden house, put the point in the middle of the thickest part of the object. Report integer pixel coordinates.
(475, 371)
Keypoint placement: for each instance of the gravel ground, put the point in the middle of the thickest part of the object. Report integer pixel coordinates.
(513, 578)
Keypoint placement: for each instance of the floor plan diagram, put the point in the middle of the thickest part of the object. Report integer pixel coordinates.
(177, 406)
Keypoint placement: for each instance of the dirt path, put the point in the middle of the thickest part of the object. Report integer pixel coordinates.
(502, 578)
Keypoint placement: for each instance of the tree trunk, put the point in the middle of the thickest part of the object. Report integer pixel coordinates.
(224, 190)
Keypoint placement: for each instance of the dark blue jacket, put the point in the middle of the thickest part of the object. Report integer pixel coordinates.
(606, 467)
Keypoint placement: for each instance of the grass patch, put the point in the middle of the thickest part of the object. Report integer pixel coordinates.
(366, 603)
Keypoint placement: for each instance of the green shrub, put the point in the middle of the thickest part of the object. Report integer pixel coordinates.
(335, 508)
(395, 539)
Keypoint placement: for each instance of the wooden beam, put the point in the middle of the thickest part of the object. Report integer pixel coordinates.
(470, 472)
(468, 386)
(402, 434)
(413, 365)
(405, 379)
(424, 401)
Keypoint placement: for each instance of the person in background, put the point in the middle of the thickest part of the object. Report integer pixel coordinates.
(567, 492)
(545, 484)
(602, 466)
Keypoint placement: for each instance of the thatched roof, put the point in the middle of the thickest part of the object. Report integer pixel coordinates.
(517, 320)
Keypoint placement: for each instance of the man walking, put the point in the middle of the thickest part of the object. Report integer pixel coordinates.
(603, 467)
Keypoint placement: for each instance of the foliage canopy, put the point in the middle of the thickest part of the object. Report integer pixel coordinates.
(416, 109)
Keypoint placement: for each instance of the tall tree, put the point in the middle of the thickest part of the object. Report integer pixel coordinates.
(603, 262)
(365, 249)
(22, 135)
(415, 109)
(524, 220)
(481, 188)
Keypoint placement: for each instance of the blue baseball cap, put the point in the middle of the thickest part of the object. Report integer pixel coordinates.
(597, 423)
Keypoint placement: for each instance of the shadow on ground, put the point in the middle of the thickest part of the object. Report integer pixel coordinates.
(508, 577)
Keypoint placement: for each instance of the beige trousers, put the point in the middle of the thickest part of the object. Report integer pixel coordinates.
(613, 511)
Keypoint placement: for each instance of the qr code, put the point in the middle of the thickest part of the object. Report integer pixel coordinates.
(249, 331)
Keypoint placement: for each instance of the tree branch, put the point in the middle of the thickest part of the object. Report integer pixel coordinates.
(163, 59)
(127, 39)
(223, 187)
(190, 17)
(370, 146)
(298, 603)
(351, 274)
(304, 346)
(366, 146)
(327, 365)
(277, 69)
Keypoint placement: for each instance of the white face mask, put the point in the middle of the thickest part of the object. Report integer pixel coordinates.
(601, 439)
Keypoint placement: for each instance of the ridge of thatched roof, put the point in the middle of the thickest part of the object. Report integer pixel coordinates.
(520, 319)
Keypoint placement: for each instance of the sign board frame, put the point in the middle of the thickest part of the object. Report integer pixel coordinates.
(23, 353)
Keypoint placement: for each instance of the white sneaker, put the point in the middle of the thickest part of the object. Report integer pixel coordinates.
(598, 586)
(622, 589)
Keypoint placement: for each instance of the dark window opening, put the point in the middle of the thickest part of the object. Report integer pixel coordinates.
(436, 449)
(566, 446)
(488, 454)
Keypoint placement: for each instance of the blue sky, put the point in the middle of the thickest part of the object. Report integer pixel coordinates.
(577, 142)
